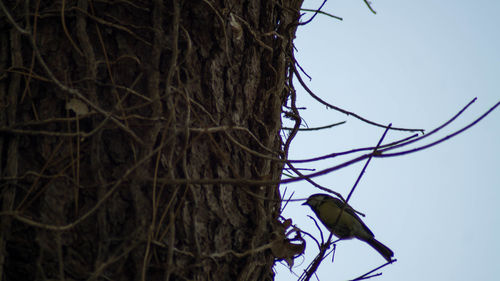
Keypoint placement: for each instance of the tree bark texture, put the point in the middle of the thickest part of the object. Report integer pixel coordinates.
(129, 131)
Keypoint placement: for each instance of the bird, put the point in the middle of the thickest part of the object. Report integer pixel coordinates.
(349, 226)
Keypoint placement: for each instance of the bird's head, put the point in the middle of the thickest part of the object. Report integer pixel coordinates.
(315, 200)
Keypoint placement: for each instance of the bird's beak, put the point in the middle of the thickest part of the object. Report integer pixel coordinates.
(305, 203)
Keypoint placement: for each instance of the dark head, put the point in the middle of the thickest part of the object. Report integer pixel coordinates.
(316, 200)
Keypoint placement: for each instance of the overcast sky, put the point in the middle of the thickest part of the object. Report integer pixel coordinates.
(415, 64)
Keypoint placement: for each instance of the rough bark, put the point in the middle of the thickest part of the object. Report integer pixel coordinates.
(128, 132)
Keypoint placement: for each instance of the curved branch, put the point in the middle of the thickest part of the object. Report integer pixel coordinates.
(313, 16)
(342, 110)
(370, 6)
(380, 153)
(438, 141)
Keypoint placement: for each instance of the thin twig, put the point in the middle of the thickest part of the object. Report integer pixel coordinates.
(335, 154)
(375, 151)
(438, 141)
(343, 110)
(365, 276)
(313, 16)
(380, 152)
(434, 131)
(321, 12)
(370, 6)
(316, 128)
(295, 170)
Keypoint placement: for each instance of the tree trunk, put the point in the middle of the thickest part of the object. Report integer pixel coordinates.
(129, 132)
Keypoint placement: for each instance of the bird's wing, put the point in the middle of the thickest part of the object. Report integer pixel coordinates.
(348, 209)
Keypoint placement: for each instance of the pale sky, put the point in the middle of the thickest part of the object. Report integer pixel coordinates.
(414, 64)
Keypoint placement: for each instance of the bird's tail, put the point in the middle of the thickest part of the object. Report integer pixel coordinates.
(381, 248)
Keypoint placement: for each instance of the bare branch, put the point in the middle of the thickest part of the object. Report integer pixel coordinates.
(320, 12)
(380, 152)
(364, 169)
(369, 5)
(343, 110)
(438, 141)
(313, 16)
(366, 275)
(317, 128)
(335, 154)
